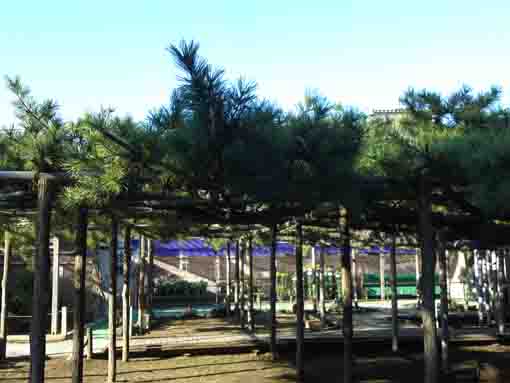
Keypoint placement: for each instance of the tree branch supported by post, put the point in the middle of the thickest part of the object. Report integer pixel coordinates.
(251, 287)
(347, 300)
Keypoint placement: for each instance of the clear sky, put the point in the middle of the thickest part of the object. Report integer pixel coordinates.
(362, 53)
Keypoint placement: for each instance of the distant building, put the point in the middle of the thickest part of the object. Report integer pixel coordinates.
(388, 114)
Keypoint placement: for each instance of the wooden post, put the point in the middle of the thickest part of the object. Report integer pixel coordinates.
(322, 289)
(242, 288)
(431, 354)
(443, 261)
(236, 283)
(478, 285)
(300, 330)
(315, 282)
(217, 277)
(500, 303)
(3, 304)
(141, 287)
(55, 286)
(251, 287)
(63, 329)
(347, 299)
(354, 278)
(394, 293)
(40, 300)
(418, 276)
(112, 305)
(150, 280)
(126, 320)
(90, 344)
(80, 265)
(382, 265)
(228, 284)
(272, 292)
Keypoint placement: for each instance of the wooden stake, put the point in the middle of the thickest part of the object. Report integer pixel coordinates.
(3, 304)
(150, 278)
(431, 354)
(90, 343)
(444, 301)
(80, 264)
(242, 288)
(40, 300)
(227, 275)
(272, 292)
(382, 265)
(322, 289)
(236, 283)
(250, 265)
(55, 286)
(300, 330)
(112, 305)
(126, 320)
(394, 293)
(347, 300)
(141, 287)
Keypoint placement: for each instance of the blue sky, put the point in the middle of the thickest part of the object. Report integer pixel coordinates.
(88, 54)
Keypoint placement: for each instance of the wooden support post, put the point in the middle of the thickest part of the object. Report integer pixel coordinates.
(251, 287)
(228, 284)
(40, 300)
(242, 288)
(150, 280)
(443, 261)
(347, 299)
(418, 276)
(112, 305)
(382, 284)
(322, 289)
(141, 287)
(55, 286)
(63, 321)
(90, 344)
(500, 298)
(126, 271)
(394, 293)
(354, 278)
(272, 293)
(236, 283)
(80, 264)
(3, 304)
(478, 285)
(217, 277)
(315, 282)
(300, 330)
(431, 354)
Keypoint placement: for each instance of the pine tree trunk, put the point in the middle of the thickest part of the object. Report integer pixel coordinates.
(251, 287)
(347, 300)
(40, 300)
(141, 287)
(444, 302)
(478, 285)
(112, 305)
(3, 305)
(80, 266)
(272, 292)
(431, 355)
(227, 272)
(322, 289)
(394, 293)
(300, 334)
(237, 284)
(126, 296)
